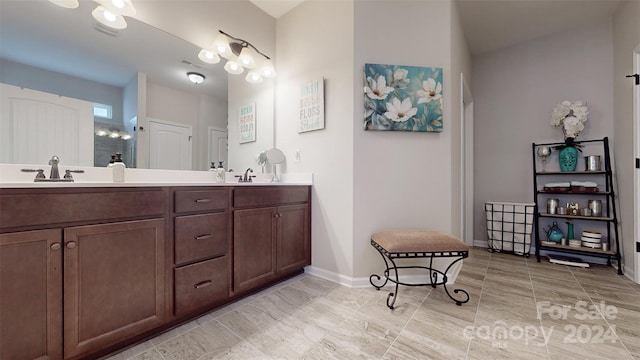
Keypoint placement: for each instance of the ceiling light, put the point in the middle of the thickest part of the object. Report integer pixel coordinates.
(109, 18)
(254, 77)
(233, 67)
(209, 56)
(195, 77)
(69, 4)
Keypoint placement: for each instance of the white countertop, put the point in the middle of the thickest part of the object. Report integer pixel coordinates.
(11, 176)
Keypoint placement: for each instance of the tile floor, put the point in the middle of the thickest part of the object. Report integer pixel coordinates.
(519, 309)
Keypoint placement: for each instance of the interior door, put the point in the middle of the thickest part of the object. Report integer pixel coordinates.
(35, 125)
(218, 140)
(169, 145)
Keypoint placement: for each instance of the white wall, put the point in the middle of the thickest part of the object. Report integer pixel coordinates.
(626, 37)
(515, 90)
(316, 40)
(402, 180)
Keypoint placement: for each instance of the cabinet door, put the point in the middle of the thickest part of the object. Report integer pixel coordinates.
(254, 252)
(114, 283)
(31, 295)
(293, 238)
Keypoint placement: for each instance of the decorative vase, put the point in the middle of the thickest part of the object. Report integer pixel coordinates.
(570, 235)
(568, 158)
(554, 233)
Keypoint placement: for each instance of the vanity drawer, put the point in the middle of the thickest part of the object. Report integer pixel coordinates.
(200, 236)
(57, 206)
(266, 196)
(201, 200)
(200, 285)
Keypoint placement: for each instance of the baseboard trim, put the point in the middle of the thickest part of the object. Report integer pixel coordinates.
(362, 282)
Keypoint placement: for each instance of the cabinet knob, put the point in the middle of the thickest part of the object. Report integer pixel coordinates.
(55, 246)
(277, 215)
(71, 244)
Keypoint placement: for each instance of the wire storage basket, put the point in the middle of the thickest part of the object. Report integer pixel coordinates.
(509, 227)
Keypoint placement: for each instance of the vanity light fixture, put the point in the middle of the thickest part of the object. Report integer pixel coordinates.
(209, 56)
(195, 77)
(111, 13)
(114, 134)
(241, 55)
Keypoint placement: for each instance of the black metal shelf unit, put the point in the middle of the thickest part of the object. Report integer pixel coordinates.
(607, 194)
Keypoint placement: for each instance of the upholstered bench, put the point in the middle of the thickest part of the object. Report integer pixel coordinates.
(407, 244)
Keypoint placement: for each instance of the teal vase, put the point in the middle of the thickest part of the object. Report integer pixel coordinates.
(570, 235)
(568, 158)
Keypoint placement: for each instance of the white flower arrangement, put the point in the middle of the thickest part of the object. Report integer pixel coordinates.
(570, 117)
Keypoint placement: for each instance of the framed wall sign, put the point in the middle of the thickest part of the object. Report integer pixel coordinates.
(248, 123)
(311, 106)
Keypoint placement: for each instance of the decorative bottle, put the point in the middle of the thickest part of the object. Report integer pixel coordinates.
(118, 169)
(220, 173)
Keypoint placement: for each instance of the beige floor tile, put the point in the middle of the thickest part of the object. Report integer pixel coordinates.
(310, 318)
(210, 339)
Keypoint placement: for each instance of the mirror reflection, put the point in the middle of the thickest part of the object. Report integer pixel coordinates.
(133, 82)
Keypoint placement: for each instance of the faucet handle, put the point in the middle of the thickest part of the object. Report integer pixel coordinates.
(39, 175)
(68, 176)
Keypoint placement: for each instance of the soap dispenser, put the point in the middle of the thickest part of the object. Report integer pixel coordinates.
(118, 168)
(220, 174)
(112, 161)
(213, 166)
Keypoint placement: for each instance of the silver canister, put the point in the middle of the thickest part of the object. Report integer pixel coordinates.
(605, 246)
(592, 163)
(595, 206)
(552, 206)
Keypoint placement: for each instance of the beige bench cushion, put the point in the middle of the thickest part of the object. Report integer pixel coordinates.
(405, 241)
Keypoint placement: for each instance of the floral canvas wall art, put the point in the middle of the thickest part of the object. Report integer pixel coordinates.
(402, 98)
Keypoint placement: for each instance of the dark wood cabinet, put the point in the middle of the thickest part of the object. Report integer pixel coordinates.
(113, 283)
(86, 271)
(201, 266)
(31, 295)
(254, 247)
(269, 242)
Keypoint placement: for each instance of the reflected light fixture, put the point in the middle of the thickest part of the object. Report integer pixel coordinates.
(111, 13)
(209, 56)
(240, 55)
(69, 4)
(195, 77)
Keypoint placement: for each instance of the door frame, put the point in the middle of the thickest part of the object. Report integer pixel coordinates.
(636, 173)
(466, 162)
(210, 143)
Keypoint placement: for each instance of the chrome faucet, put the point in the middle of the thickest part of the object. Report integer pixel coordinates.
(246, 177)
(55, 174)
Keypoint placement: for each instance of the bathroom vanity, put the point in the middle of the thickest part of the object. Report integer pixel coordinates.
(88, 270)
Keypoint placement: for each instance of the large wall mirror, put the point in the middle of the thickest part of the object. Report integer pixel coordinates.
(136, 79)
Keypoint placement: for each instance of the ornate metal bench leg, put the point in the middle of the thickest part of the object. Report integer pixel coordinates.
(378, 278)
(455, 291)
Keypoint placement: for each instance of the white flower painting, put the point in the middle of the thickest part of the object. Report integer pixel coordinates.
(402, 98)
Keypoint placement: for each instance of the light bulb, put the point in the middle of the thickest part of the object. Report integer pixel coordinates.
(208, 56)
(221, 45)
(232, 67)
(254, 77)
(267, 69)
(118, 3)
(109, 16)
(246, 58)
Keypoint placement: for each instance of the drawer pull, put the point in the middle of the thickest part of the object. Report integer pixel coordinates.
(202, 237)
(202, 200)
(203, 284)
